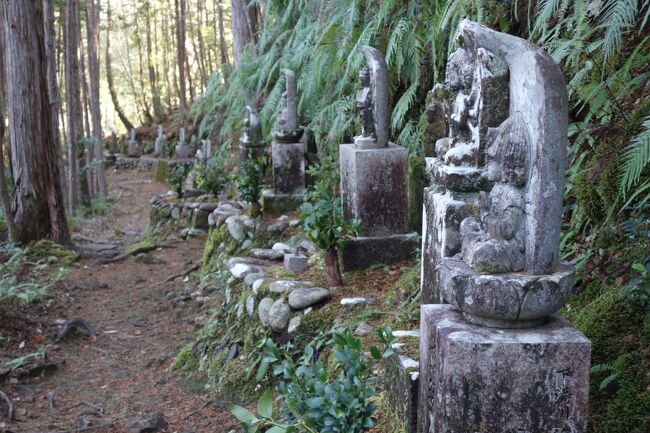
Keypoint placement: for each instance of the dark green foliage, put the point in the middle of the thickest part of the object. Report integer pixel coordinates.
(251, 181)
(311, 400)
(211, 177)
(322, 214)
(177, 178)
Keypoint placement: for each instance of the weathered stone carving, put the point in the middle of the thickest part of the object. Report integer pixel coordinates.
(161, 142)
(372, 101)
(250, 143)
(286, 128)
(204, 154)
(133, 150)
(182, 151)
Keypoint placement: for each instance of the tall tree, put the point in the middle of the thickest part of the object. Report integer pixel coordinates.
(92, 31)
(73, 103)
(244, 25)
(180, 51)
(52, 84)
(109, 74)
(38, 203)
(153, 80)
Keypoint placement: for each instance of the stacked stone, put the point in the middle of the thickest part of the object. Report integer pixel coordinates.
(497, 359)
(182, 151)
(134, 150)
(287, 154)
(374, 178)
(161, 143)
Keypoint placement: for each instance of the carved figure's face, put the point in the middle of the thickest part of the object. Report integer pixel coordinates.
(364, 76)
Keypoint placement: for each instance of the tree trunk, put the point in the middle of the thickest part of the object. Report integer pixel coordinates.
(244, 25)
(73, 103)
(38, 198)
(92, 30)
(12, 231)
(155, 95)
(53, 87)
(180, 51)
(138, 44)
(86, 190)
(109, 74)
(332, 268)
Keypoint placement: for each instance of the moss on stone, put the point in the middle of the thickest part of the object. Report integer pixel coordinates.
(186, 360)
(46, 249)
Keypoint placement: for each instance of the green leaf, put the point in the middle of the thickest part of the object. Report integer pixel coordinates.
(277, 429)
(639, 267)
(243, 414)
(375, 352)
(265, 404)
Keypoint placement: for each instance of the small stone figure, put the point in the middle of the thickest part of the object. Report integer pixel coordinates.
(252, 129)
(161, 142)
(365, 104)
(495, 243)
(372, 101)
(134, 151)
(182, 151)
(286, 128)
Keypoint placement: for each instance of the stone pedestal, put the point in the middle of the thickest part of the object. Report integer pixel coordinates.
(288, 178)
(374, 190)
(487, 380)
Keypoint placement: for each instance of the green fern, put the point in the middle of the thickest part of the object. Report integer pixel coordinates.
(635, 159)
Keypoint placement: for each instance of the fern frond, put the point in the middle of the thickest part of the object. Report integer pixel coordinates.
(635, 159)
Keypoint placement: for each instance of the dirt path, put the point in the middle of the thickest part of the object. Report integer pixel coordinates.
(140, 325)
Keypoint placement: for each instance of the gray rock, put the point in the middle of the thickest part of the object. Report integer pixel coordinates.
(309, 247)
(294, 323)
(240, 270)
(277, 228)
(267, 254)
(295, 262)
(176, 213)
(263, 311)
(251, 278)
(150, 423)
(279, 315)
(354, 302)
(279, 246)
(295, 223)
(307, 296)
(257, 284)
(246, 244)
(236, 228)
(363, 329)
(283, 286)
(250, 306)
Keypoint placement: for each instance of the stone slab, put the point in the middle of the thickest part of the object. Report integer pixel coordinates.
(363, 252)
(374, 185)
(288, 168)
(274, 204)
(442, 214)
(486, 380)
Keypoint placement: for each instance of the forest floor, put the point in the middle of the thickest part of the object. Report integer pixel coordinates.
(108, 382)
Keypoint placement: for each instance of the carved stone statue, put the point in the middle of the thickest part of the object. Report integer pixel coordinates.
(252, 129)
(161, 142)
(372, 101)
(286, 128)
(133, 150)
(182, 151)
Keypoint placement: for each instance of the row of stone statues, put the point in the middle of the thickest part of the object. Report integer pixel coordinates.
(182, 150)
(494, 357)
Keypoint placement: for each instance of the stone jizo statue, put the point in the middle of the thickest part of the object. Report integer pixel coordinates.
(286, 128)
(372, 101)
(252, 128)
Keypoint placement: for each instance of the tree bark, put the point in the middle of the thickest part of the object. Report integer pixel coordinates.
(109, 74)
(244, 26)
(92, 30)
(73, 104)
(332, 268)
(180, 51)
(53, 87)
(5, 197)
(85, 158)
(38, 203)
(138, 43)
(153, 81)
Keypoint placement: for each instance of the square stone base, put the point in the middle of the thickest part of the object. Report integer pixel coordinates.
(288, 168)
(488, 380)
(273, 203)
(363, 252)
(374, 188)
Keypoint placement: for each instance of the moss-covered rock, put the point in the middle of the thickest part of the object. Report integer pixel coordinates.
(51, 251)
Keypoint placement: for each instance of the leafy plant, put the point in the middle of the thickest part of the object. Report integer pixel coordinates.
(211, 177)
(177, 178)
(251, 182)
(637, 290)
(310, 400)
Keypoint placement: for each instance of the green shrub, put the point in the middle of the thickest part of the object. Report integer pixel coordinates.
(311, 400)
(211, 177)
(252, 180)
(177, 178)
